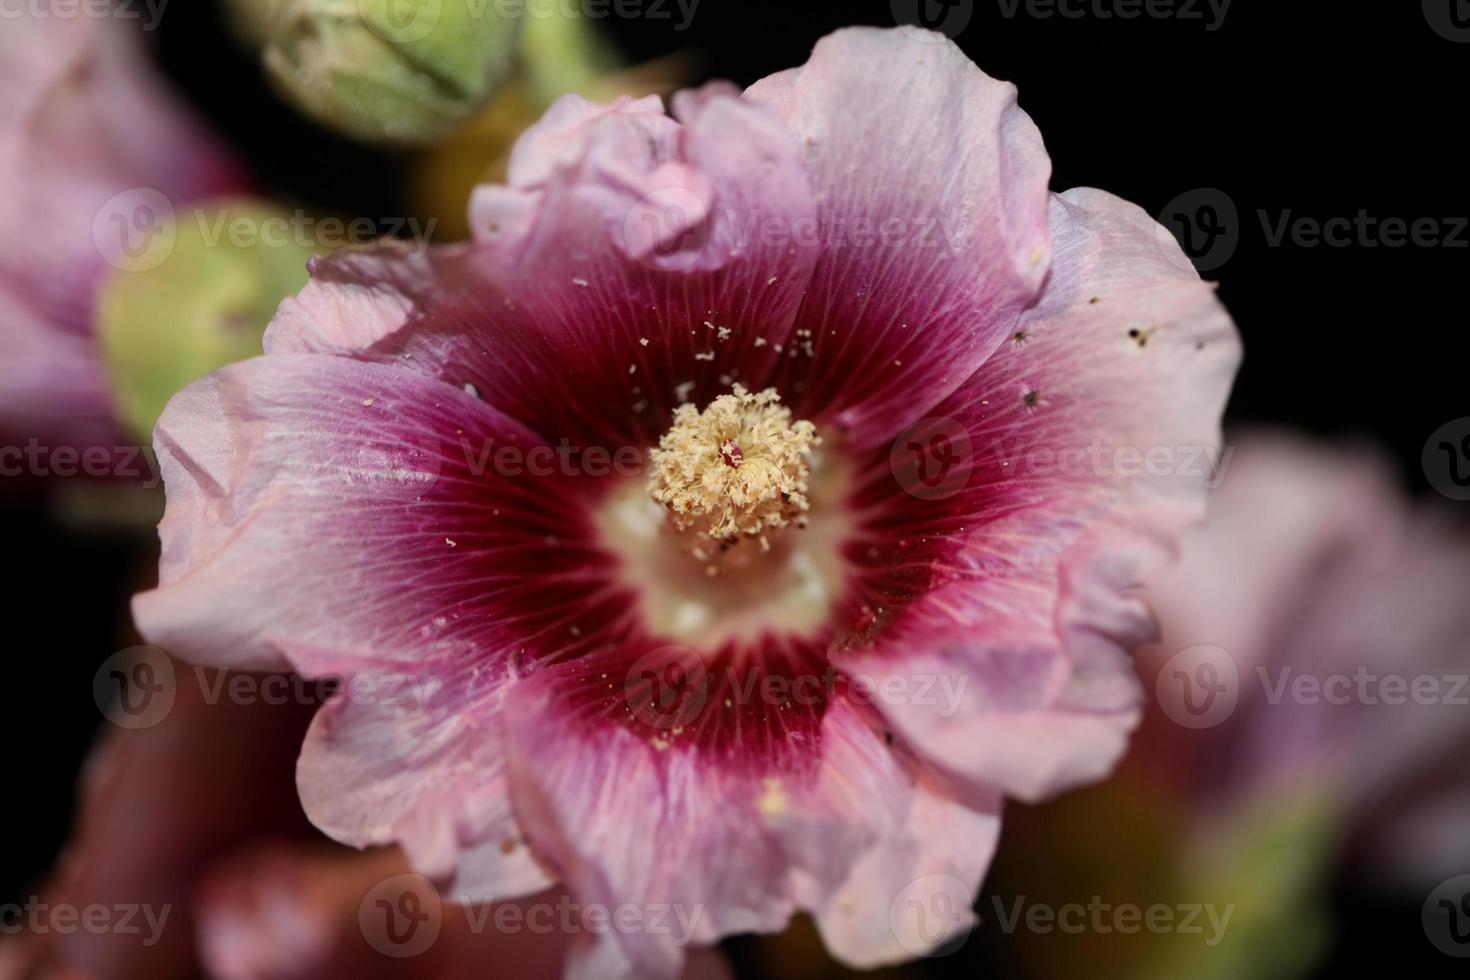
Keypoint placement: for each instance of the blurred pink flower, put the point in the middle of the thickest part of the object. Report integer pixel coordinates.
(735, 708)
(1342, 642)
(83, 119)
(194, 821)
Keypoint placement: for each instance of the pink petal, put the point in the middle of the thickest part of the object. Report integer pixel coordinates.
(422, 765)
(565, 314)
(735, 846)
(333, 514)
(1127, 351)
(894, 129)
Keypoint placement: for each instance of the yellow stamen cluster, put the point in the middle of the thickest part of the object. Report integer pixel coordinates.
(737, 469)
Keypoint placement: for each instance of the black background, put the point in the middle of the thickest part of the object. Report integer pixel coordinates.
(1322, 109)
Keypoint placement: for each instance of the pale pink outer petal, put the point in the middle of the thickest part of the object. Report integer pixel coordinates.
(423, 766)
(357, 298)
(316, 508)
(1128, 350)
(629, 820)
(932, 212)
(351, 477)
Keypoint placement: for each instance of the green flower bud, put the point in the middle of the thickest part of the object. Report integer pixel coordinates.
(391, 71)
(199, 300)
(253, 20)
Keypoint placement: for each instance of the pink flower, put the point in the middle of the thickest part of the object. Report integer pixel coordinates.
(192, 823)
(83, 120)
(1333, 618)
(878, 572)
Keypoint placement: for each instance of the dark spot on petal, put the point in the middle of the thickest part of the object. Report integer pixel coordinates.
(1031, 398)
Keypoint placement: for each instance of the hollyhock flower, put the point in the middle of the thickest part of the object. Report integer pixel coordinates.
(82, 120)
(1307, 715)
(194, 821)
(665, 685)
(1322, 592)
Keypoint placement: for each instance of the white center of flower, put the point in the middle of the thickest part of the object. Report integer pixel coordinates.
(737, 470)
(727, 490)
